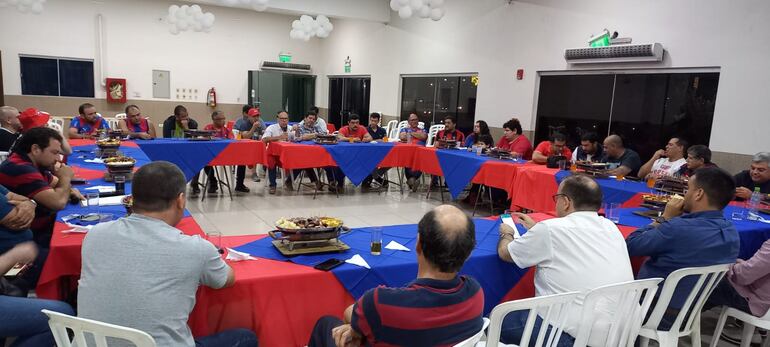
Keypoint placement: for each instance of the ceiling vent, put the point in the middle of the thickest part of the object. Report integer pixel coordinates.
(650, 52)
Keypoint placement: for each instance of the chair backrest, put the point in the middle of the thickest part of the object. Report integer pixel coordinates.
(624, 298)
(113, 123)
(421, 125)
(230, 124)
(401, 125)
(434, 129)
(330, 128)
(120, 116)
(706, 277)
(57, 120)
(390, 126)
(60, 323)
(553, 309)
(55, 126)
(236, 132)
(471, 341)
(4, 155)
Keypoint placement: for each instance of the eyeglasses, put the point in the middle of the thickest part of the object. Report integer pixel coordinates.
(558, 195)
(283, 118)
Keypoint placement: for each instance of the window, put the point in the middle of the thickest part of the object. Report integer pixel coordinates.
(56, 76)
(348, 95)
(435, 97)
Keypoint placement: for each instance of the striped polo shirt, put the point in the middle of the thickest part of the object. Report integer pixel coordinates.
(22, 177)
(427, 312)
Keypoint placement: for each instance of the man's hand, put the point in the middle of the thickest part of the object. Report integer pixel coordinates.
(674, 208)
(20, 218)
(64, 171)
(345, 336)
(185, 124)
(743, 192)
(255, 125)
(505, 229)
(659, 154)
(76, 194)
(145, 136)
(23, 253)
(525, 220)
(283, 137)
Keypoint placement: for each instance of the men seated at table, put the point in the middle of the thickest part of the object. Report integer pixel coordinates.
(480, 135)
(136, 126)
(514, 140)
(622, 161)
(450, 132)
(32, 118)
(377, 133)
(20, 316)
(16, 215)
(353, 132)
(306, 130)
(252, 127)
(692, 232)
(175, 125)
(413, 134)
(557, 146)
(219, 131)
(87, 124)
(115, 286)
(698, 156)
(590, 150)
(758, 176)
(666, 162)
(578, 251)
(439, 308)
(10, 127)
(319, 120)
(277, 132)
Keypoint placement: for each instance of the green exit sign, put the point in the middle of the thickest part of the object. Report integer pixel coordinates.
(284, 57)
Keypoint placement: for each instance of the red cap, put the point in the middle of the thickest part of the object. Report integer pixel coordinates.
(253, 112)
(32, 118)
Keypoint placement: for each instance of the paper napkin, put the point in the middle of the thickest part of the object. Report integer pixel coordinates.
(358, 260)
(396, 246)
(238, 256)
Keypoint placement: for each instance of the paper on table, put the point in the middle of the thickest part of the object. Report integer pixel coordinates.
(396, 246)
(238, 256)
(108, 201)
(102, 189)
(358, 260)
(78, 229)
(95, 161)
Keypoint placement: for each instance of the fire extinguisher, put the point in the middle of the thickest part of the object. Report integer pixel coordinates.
(211, 100)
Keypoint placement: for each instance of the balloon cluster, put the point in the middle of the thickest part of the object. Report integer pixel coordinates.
(24, 6)
(433, 9)
(306, 27)
(259, 5)
(183, 18)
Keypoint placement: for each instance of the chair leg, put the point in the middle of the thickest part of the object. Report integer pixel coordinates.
(301, 177)
(491, 202)
(748, 333)
(720, 326)
(644, 341)
(695, 337)
(206, 183)
(441, 183)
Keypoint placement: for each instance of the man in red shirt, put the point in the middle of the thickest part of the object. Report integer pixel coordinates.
(557, 146)
(354, 131)
(514, 141)
(450, 132)
(219, 131)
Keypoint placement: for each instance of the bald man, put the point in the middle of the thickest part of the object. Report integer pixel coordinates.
(417, 314)
(623, 161)
(10, 127)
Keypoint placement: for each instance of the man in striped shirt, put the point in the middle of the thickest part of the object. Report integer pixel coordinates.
(439, 308)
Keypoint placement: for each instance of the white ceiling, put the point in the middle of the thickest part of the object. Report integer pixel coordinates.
(369, 10)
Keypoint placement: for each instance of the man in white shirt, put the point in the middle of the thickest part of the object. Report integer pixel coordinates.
(10, 126)
(666, 162)
(578, 251)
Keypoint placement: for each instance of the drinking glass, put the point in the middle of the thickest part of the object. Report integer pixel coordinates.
(215, 238)
(376, 246)
(92, 201)
(650, 182)
(562, 165)
(612, 211)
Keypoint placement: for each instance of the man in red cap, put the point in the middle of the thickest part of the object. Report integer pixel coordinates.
(252, 127)
(32, 118)
(10, 127)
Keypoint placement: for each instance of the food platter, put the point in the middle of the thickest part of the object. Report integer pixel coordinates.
(199, 135)
(308, 235)
(324, 139)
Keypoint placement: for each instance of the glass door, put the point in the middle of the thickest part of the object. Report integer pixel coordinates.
(348, 95)
(433, 98)
(275, 91)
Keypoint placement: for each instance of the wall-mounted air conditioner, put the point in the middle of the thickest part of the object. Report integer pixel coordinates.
(289, 67)
(649, 52)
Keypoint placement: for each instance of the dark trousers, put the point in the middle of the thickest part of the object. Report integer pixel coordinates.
(409, 173)
(240, 175)
(310, 173)
(322, 332)
(335, 174)
(209, 173)
(21, 317)
(725, 295)
(229, 338)
(378, 175)
(513, 329)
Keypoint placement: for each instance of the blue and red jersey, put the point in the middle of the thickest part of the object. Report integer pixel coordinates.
(85, 127)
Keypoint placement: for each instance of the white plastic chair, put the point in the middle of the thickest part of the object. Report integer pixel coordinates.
(628, 314)
(60, 323)
(57, 120)
(236, 132)
(55, 126)
(112, 122)
(389, 128)
(395, 131)
(120, 116)
(707, 278)
(432, 132)
(554, 310)
(471, 341)
(4, 155)
(749, 323)
(421, 125)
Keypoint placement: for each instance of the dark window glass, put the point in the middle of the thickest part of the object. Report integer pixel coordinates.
(348, 95)
(76, 78)
(434, 98)
(417, 96)
(39, 76)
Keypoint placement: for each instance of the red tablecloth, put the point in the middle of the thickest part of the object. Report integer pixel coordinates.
(534, 187)
(241, 152)
(306, 156)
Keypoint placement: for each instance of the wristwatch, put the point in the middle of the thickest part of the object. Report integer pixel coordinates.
(503, 235)
(660, 219)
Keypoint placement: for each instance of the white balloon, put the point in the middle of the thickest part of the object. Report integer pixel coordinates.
(172, 19)
(403, 3)
(296, 24)
(424, 12)
(206, 29)
(395, 5)
(416, 5)
(173, 30)
(436, 13)
(306, 37)
(182, 25)
(208, 19)
(405, 12)
(322, 19)
(198, 16)
(328, 27)
(172, 9)
(323, 34)
(436, 3)
(316, 25)
(182, 13)
(305, 19)
(37, 8)
(259, 7)
(320, 31)
(194, 9)
(261, 2)
(197, 26)
(307, 26)
(294, 34)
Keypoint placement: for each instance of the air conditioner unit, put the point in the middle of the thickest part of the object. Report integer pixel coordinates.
(649, 52)
(274, 65)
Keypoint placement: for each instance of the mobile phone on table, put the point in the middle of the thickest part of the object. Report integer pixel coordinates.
(508, 220)
(328, 264)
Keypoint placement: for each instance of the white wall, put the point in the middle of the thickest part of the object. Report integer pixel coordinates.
(136, 42)
(494, 39)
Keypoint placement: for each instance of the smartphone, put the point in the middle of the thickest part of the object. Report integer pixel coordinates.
(328, 264)
(508, 220)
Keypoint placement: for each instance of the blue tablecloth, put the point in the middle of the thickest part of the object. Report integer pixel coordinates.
(752, 233)
(397, 268)
(189, 156)
(614, 191)
(358, 160)
(458, 168)
(82, 153)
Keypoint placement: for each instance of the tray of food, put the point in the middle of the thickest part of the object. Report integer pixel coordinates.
(325, 139)
(108, 143)
(655, 200)
(446, 144)
(499, 153)
(199, 135)
(308, 229)
(119, 164)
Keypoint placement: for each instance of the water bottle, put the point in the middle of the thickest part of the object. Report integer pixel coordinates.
(408, 137)
(297, 135)
(756, 197)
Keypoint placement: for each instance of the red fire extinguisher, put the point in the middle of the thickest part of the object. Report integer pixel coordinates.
(211, 100)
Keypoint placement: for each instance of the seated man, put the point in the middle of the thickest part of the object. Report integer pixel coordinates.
(419, 314)
(174, 127)
(698, 156)
(277, 132)
(87, 124)
(10, 127)
(692, 232)
(377, 133)
(220, 131)
(623, 161)
(418, 137)
(306, 130)
(353, 132)
(32, 118)
(16, 215)
(666, 162)
(114, 286)
(758, 176)
(319, 120)
(514, 140)
(557, 146)
(578, 251)
(590, 149)
(450, 131)
(135, 125)
(21, 316)
(251, 127)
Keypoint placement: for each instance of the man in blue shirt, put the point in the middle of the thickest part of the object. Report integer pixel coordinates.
(252, 127)
(691, 233)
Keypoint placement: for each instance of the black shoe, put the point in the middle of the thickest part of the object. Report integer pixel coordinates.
(213, 188)
(195, 189)
(242, 189)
